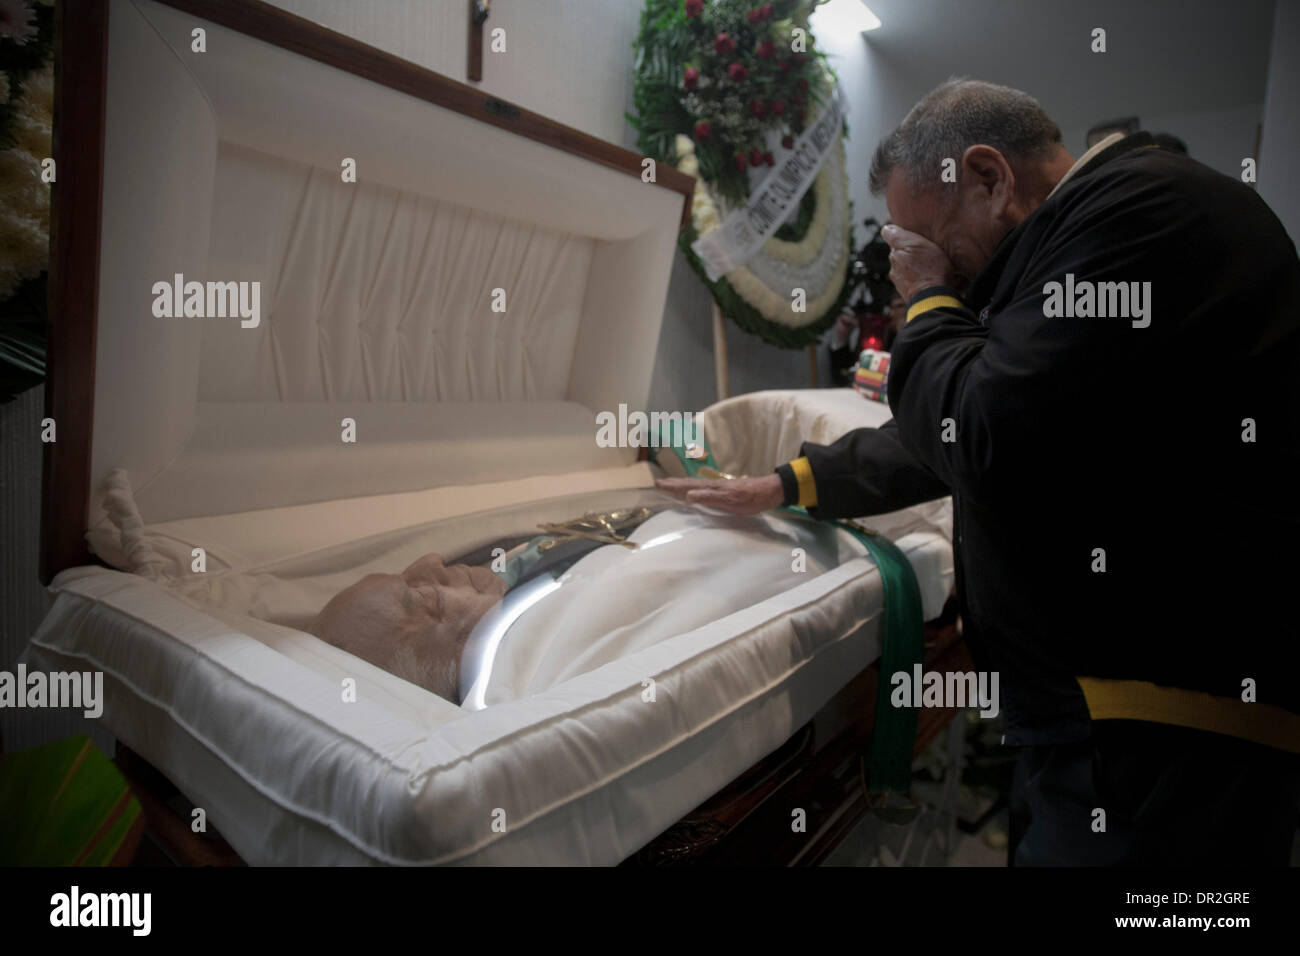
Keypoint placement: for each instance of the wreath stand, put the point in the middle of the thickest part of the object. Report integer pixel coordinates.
(722, 372)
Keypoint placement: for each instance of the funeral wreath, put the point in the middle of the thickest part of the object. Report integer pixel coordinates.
(736, 94)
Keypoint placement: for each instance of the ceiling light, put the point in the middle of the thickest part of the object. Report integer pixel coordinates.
(845, 16)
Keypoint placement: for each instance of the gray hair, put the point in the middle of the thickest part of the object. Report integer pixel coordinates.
(954, 116)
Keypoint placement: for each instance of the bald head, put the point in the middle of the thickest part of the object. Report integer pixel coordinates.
(954, 116)
(413, 624)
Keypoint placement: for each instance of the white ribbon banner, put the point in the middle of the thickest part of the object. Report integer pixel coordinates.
(744, 231)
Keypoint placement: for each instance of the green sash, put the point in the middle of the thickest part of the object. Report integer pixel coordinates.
(672, 438)
(889, 762)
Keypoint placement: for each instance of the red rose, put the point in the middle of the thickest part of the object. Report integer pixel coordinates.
(740, 162)
(769, 159)
(753, 16)
(778, 107)
(703, 130)
(693, 8)
(785, 65)
(737, 72)
(755, 156)
(768, 11)
(766, 50)
(723, 44)
(691, 78)
(787, 141)
(756, 109)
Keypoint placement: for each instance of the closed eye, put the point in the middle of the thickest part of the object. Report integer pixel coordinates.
(427, 597)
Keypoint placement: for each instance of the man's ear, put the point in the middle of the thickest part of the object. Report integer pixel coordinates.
(989, 172)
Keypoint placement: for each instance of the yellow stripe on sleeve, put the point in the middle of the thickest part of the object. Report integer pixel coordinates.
(1141, 700)
(933, 302)
(807, 487)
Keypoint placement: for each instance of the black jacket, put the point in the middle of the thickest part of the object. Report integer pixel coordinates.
(1077, 434)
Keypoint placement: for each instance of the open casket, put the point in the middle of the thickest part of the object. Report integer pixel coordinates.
(232, 473)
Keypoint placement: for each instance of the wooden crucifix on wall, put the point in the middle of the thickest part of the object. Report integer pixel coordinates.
(478, 14)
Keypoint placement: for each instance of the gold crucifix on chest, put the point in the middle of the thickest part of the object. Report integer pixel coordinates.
(609, 527)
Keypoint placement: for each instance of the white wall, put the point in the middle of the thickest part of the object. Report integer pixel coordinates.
(566, 59)
(880, 93)
(1193, 68)
(1219, 138)
(1281, 138)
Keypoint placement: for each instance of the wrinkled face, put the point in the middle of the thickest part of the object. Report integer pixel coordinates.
(413, 624)
(968, 223)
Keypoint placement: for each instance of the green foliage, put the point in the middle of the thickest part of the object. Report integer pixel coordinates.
(795, 231)
(662, 48)
(669, 43)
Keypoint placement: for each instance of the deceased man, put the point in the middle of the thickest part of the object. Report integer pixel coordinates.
(413, 624)
(517, 617)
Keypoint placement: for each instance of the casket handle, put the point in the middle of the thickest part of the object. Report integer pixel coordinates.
(501, 108)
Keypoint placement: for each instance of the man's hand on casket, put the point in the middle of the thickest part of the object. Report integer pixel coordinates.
(739, 496)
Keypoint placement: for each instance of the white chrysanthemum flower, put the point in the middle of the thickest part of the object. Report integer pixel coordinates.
(16, 21)
(21, 188)
(24, 251)
(816, 263)
(24, 220)
(38, 89)
(24, 198)
(33, 116)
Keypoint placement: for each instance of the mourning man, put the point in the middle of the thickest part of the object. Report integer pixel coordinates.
(1101, 364)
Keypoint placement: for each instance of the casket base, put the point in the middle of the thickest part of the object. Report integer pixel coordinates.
(818, 769)
(168, 819)
(746, 823)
